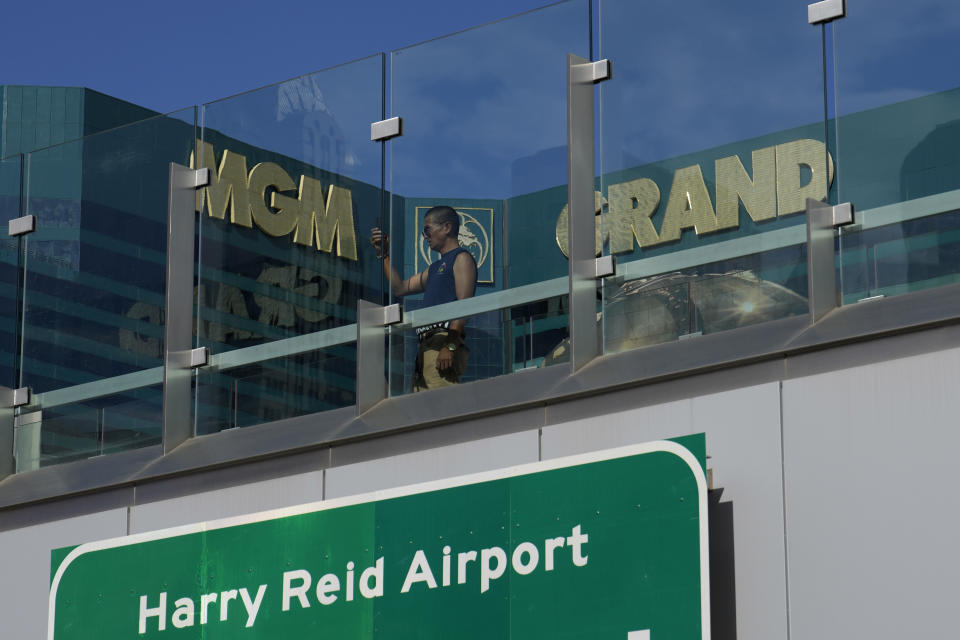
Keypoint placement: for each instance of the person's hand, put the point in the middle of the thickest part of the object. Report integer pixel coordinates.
(444, 359)
(380, 242)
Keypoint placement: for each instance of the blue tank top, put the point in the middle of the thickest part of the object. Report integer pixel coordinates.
(441, 285)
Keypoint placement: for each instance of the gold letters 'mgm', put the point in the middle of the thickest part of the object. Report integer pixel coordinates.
(326, 223)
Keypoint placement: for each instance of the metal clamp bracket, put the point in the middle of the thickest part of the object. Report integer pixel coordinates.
(392, 315)
(825, 11)
(591, 72)
(12, 398)
(375, 316)
(843, 214)
(606, 266)
(26, 419)
(195, 179)
(192, 359)
(386, 129)
(22, 226)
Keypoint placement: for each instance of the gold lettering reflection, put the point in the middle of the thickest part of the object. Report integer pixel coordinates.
(230, 300)
(631, 205)
(689, 206)
(311, 287)
(792, 157)
(734, 185)
(135, 342)
(276, 309)
(274, 312)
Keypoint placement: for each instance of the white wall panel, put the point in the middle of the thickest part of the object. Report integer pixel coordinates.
(742, 428)
(432, 464)
(225, 503)
(870, 456)
(25, 559)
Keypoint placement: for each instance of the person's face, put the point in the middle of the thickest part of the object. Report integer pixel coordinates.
(434, 233)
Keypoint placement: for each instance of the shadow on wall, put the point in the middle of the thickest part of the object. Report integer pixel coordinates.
(723, 584)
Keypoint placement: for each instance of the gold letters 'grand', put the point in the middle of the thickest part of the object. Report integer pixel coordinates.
(313, 219)
(776, 189)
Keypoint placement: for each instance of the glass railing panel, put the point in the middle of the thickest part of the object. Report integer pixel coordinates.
(712, 140)
(507, 331)
(683, 304)
(538, 334)
(10, 174)
(94, 286)
(284, 253)
(897, 130)
(242, 392)
(484, 133)
(88, 428)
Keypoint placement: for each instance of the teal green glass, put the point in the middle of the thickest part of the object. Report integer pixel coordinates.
(37, 117)
(87, 429)
(896, 122)
(712, 140)
(538, 334)
(283, 243)
(93, 288)
(484, 132)
(9, 259)
(277, 388)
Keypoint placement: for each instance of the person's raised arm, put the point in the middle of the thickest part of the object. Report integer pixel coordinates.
(399, 286)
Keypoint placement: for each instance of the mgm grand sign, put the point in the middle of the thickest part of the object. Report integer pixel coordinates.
(784, 176)
(315, 218)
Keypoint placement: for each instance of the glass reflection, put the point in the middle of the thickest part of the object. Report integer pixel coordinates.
(672, 306)
(296, 184)
(94, 285)
(712, 141)
(897, 127)
(10, 173)
(484, 116)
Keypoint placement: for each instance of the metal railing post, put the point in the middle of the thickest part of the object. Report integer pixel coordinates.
(584, 335)
(822, 293)
(372, 352)
(179, 356)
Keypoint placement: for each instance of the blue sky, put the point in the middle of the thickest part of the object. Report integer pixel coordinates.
(172, 54)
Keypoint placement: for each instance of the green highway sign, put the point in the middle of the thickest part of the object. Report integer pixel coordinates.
(611, 544)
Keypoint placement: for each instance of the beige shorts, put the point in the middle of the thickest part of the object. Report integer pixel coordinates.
(426, 375)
